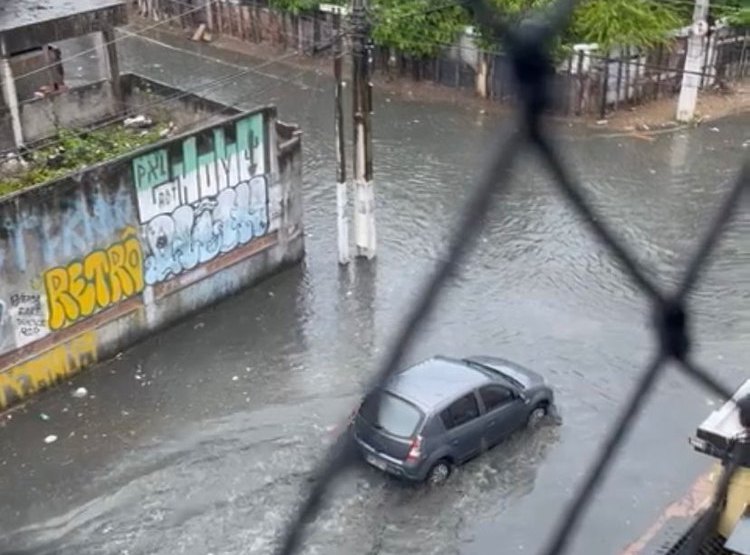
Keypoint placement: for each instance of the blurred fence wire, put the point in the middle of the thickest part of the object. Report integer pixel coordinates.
(528, 47)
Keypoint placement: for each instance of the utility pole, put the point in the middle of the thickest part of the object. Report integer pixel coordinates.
(691, 75)
(341, 186)
(364, 195)
(342, 201)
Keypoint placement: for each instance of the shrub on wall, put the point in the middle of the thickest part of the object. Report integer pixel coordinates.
(71, 151)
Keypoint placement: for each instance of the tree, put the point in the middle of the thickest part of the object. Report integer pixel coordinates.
(417, 27)
(734, 12)
(606, 22)
(642, 23)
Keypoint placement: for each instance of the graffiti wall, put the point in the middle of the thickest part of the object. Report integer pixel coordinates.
(202, 197)
(103, 278)
(68, 252)
(92, 262)
(47, 368)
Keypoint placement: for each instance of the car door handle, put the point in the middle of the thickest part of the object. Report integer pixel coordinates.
(491, 423)
(454, 442)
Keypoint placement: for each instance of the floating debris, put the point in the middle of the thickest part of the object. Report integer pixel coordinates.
(80, 393)
(52, 438)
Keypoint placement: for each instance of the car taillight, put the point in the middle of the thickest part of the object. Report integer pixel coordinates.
(415, 449)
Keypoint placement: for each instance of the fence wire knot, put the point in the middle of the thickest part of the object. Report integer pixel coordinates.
(671, 323)
(532, 66)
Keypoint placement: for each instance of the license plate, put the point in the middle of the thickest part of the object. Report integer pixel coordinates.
(377, 463)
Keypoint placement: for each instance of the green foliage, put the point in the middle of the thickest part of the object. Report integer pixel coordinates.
(642, 23)
(423, 27)
(606, 22)
(417, 27)
(297, 6)
(736, 12)
(511, 12)
(73, 151)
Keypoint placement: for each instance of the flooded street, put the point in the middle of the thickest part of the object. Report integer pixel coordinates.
(201, 439)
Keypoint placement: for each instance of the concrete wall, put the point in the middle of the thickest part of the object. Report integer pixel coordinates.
(167, 103)
(75, 108)
(94, 103)
(93, 262)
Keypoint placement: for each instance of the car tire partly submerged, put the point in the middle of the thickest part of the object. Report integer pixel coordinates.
(537, 416)
(439, 472)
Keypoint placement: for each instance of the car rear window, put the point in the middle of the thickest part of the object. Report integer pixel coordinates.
(394, 416)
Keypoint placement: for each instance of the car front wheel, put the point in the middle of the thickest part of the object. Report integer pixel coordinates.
(536, 416)
(439, 472)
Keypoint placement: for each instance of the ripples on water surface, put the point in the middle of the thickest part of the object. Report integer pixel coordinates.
(188, 460)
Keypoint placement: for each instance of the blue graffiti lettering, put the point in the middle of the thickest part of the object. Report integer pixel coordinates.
(194, 234)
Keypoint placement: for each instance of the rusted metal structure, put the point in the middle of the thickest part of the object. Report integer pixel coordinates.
(695, 525)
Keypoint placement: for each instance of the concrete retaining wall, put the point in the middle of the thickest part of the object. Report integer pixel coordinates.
(74, 108)
(91, 263)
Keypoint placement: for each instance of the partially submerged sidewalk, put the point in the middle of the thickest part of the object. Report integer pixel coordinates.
(653, 116)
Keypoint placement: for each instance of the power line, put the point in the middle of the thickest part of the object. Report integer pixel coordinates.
(183, 93)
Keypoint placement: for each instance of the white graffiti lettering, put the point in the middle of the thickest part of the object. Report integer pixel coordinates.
(194, 234)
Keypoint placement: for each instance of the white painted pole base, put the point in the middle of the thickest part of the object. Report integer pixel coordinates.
(364, 218)
(342, 223)
(690, 81)
(694, 57)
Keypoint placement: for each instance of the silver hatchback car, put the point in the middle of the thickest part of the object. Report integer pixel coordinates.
(442, 412)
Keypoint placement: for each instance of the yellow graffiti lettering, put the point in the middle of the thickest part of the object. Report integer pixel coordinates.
(119, 277)
(96, 270)
(47, 368)
(62, 306)
(101, 280)
(134, 266)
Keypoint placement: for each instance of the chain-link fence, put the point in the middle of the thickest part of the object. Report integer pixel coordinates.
(528, 49)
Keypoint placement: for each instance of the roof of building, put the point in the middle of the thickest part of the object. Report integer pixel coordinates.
(27, 24)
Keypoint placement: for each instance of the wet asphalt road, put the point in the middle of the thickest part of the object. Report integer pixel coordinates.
(201, 439)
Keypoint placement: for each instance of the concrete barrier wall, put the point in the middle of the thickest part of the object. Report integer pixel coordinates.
(91, 263)
(74, 108)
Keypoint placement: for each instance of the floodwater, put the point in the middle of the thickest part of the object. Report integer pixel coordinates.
(202, 439)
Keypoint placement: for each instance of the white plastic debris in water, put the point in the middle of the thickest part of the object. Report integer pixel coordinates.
(80, 393)
(235, 378)
(52, 438)
(44, 416)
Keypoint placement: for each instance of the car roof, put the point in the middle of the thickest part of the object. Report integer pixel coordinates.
(434, 381)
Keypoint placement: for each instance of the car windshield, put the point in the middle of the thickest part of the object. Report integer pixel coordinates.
(394, 416)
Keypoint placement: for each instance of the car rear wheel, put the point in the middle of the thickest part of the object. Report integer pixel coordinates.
(536, 416)
(439, 472)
